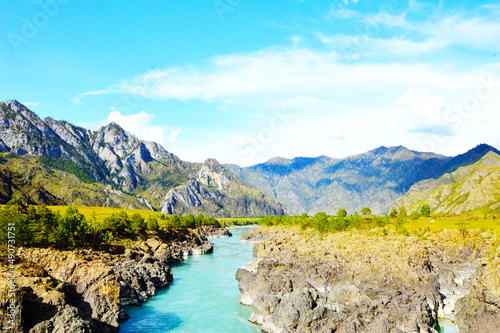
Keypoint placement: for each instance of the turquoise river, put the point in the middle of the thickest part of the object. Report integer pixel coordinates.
(204, 295)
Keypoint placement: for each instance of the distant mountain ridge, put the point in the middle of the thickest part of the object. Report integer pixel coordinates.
(124, 171)
(375, 179)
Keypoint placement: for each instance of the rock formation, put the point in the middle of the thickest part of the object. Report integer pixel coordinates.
(346, 282)
(87, 290)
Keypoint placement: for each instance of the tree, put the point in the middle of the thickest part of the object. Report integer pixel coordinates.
(200, 220)
(356, 220)
(42, 222)
(119, 224)
(341, 213)
(366, 211)
(137, 223)
(394, 213)
(152, 223)
(71, 230)
(402, 213)
(189, 221)
(321, 221)
(415, 215)
(304, 221)
(425, 210)
(176, 222)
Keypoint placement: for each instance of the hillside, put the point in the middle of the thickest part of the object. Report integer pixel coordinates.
(470, 188)
(54, 162)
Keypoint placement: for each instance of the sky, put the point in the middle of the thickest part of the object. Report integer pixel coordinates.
(244, 81)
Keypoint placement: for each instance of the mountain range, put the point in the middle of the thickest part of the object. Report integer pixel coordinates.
(54, 162)
(375, 179)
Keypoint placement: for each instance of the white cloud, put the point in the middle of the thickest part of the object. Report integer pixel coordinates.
(78, 99)
(31, 104)
(479, 29)
(423, 112)
(172, 137)
(335, 134)
(348, 45)
(140, 125)
(343, 13)
(270, 75)
(473, 31)
(341, 108)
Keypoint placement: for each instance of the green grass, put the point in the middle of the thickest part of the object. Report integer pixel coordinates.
(234, 221)
(451, 222)
(102, 212)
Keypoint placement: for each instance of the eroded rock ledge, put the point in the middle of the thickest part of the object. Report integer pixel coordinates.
(346, 282)
(86, 290)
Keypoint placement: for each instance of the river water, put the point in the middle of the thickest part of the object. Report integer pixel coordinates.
(203, 296)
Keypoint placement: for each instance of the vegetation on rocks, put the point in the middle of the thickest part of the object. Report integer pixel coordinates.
(355, 273)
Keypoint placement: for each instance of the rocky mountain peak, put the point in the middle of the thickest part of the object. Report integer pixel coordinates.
(14, 104)
(490, 158)
(212, 173)
(482, 149)
(112, 133)
(157, 151)
(379, 151)
(214, 165)
(279, 161)
(400, 153)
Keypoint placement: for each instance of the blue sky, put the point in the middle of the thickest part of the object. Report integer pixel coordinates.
(244, 81)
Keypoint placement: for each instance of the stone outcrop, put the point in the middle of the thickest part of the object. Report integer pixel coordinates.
(345, 282)
(479, 311)
(87, 290)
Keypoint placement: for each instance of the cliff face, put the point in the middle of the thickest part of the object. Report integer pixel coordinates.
(353, 283)
(85, 290)
(479, 311)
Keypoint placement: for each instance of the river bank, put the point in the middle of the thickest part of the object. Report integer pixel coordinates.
(352, 282)
(87, 290)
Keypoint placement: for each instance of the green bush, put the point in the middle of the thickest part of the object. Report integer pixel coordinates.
(415, 215)
(425, 210)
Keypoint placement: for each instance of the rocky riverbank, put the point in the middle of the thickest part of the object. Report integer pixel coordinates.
(362, 282)
(87, 290)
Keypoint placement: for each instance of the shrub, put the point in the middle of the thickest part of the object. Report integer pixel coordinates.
(425, 210)
(415, 215)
